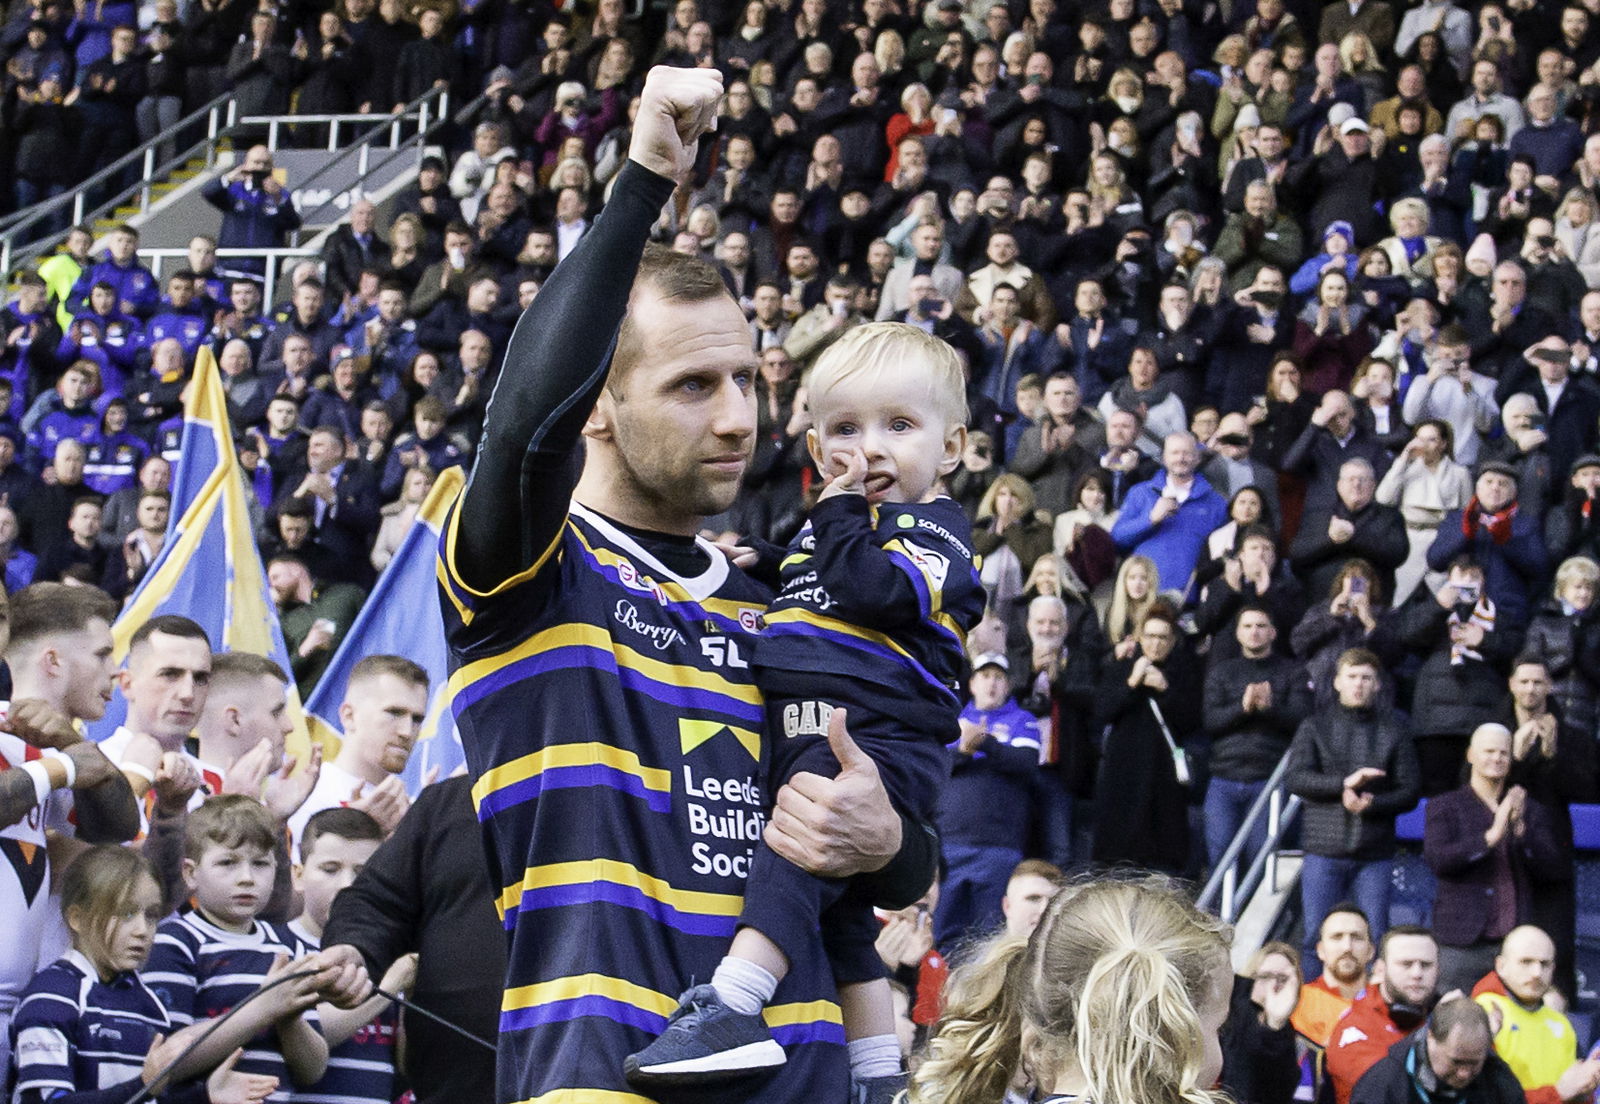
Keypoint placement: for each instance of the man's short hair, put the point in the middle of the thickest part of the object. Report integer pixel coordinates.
(231, 667)
(1401, 930)
(431, 407)
(31, 279)
(1458, 1013)
(1454, 334)
(51, 609)
(1346, 908)
(341, 821)
(1359, 657)
(1256, 531)
(674, 278)
(169, 624)
(374, 666)
(124, 228)
(1038, 868)
(232, 821)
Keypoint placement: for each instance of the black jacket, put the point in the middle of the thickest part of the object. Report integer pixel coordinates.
(1389, 1082)
(427, 890)
(1259, 1065)
(1379, 538)
(1328, 748)
(1246, 747)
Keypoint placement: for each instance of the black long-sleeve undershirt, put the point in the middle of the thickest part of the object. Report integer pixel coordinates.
(528, 460)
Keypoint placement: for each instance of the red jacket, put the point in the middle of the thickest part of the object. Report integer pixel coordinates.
(1361, 1039)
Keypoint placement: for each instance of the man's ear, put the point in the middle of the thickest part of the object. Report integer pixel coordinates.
(597, 426)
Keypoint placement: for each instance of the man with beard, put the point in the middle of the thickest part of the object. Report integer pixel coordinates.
(382, 713)
(1388, 1011)
(1344, 947)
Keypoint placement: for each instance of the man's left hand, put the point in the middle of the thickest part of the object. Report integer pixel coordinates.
(836, 827)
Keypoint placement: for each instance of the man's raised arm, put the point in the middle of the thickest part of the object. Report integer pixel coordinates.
(528, 462)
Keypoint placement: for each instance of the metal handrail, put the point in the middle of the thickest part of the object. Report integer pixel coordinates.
(1225, 889)
(374, 120)
(154, 256)
(219, 115)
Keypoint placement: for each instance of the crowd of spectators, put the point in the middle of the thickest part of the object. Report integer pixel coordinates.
(1283, 333)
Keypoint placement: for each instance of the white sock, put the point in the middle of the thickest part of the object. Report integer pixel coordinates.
(874, 1056)
(743, 986)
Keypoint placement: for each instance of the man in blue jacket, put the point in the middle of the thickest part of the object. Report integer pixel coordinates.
(256, 210)
(1504, 539)
(1170, 517)
(138, 294)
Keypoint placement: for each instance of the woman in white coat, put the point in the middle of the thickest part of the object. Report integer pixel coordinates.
(1426, 483)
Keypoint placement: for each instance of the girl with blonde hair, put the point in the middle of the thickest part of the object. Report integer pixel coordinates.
(1116, 998)
(1133, 594)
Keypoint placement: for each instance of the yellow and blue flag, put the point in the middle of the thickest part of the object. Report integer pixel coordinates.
(401, 617)
(209, 569)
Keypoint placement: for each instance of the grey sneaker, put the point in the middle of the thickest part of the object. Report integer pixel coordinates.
(705, 1042)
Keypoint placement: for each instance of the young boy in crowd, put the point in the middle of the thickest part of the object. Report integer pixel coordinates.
(363, 1042)
(215, 953)
(877, 594)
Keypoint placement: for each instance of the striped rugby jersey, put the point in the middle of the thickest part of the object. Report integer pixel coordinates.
(76, 1033)
(198, 971)
(873, 613)
(614, 733)
(361, 1070)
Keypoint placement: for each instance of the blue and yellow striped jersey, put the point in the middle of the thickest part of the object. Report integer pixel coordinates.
(873, 613)
(614, 732)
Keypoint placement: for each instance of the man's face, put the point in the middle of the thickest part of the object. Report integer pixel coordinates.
(864, 71)
(323, 452)
(1458, 1058)
(281, 416)
(88, 666)
(392, 305)
(1411, 967)
(1356, 486)
(1527, 965)
(785, 207)
(202, 254)
(474, 351)
(84, 523)
(166, 682)
(1541, 104)
(1345, 947)
(736, 250)
(680, 424)
(102, 300)
(921, 288)
(768, 302)
(375, 425)
(1495, 491)
(1485, 78)
(1255, 633)
(802, 262)
(1002, 249)
(246, 297)
(1258, 202)
(289, 581)
(180, 291)
(1178, 456)
(989, 688)
(926, 242)
(308, 301)
(69, 461)
(381, 716)
(1121, 429)
(121, 245)
(482, 296)
(1356, 684)
(1089, 299)
(541, 248)
(153, 511)
(1027, 896)
(1061, 397)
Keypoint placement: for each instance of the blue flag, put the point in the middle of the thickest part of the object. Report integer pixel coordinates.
(401, 617)
(209, 568)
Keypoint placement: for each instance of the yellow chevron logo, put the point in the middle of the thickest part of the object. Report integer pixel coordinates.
(693, 733)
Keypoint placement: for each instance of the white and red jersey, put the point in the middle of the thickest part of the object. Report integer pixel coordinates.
(25, 901)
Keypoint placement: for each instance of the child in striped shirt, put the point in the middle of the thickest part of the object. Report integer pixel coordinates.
(363, 1042)
(88, 1026)
(215, 952)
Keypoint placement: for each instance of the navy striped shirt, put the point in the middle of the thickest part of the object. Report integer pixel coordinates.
(199, 971)
(75, 1033)
(361, 1070)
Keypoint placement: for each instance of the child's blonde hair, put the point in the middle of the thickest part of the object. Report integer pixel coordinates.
(1112, 982)
(884, 348)
(98, 888)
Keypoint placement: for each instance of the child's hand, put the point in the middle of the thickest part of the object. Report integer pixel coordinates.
(228, 1086)
(292, 997)
(742, 555)
(400, 977)
(850, 468)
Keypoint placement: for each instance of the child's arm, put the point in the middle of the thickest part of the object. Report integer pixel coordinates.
(338, 1024)
(305, 1051)
(901, 582)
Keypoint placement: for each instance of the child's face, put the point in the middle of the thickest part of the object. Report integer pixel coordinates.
(128, 936)
(332, 863)
(231, 883)
(898, 428)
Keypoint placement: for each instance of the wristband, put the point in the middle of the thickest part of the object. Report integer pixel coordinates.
(41, 780)
(139, 771)
(67, 764)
